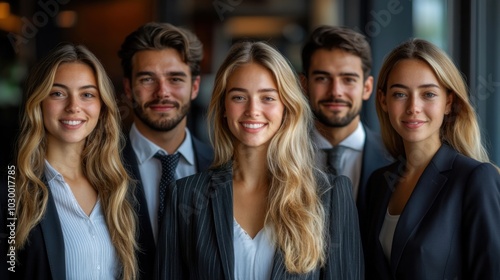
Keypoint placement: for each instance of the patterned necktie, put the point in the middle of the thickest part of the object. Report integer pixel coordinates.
(333, 157)
(168, 166)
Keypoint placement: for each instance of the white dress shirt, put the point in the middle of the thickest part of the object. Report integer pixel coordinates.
(150, 168)
(89, 252)
(351, 160)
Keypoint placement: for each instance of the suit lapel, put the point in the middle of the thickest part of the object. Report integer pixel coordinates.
(221, 197)
(421, 200)
(54, 240)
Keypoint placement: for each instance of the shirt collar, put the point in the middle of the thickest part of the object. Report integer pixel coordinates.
(51, 173)
(355, 140)
(145, 149)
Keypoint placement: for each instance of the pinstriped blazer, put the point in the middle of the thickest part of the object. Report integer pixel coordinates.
(196, 240)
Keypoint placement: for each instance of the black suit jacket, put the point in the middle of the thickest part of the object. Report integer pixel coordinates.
(375, 156)
(449, 228)
(43, 257)
(146, 242)
(196, 239)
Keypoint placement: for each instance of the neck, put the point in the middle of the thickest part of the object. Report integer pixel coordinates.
(66, 159)
(170, 140)
(250, 167)
(418, 155)
(335, 135)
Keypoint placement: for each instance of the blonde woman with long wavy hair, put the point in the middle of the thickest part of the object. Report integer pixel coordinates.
(433, 214)
(263, 211)
(74, 217)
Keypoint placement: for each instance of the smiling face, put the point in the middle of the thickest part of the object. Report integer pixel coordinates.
(416, 102)
(71, 110)
(161, 89)
(253, 108)
(336, 87)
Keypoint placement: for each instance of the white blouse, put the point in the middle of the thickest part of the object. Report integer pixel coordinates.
(387, 233)
(253, 258)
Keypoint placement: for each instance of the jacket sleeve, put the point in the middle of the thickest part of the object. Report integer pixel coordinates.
(481, 222)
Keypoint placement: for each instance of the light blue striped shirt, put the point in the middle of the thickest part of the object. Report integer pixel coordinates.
(87, 244)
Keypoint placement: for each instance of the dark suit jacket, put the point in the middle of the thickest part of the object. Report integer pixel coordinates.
(146, 242)
(449, 228)
(43, 256)
(196, 240)
(375, 156)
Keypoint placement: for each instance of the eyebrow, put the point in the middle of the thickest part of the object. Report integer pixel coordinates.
(420, 86)
(80, 88)
(259, 90)
(170, 74)
(349, 74)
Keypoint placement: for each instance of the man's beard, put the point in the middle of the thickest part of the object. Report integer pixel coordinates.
(336, 121)
(162, 125)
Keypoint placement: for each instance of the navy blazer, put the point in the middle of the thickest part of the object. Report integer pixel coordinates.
(196, 239)
(146, 241)
(449, 226)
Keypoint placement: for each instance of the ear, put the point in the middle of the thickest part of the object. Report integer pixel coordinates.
(449, 102)
(367, 88)
(195, 88)
(127, 87)
(381, 96)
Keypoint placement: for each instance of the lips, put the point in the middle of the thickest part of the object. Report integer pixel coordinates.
(413, 123)
(161, 105)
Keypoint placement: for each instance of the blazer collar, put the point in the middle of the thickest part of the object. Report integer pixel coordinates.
(421, 200)
(53, 238)
(220, 192)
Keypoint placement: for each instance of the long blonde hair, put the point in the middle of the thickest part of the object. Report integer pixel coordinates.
(101, 157)
(460, 128)
(294, 207)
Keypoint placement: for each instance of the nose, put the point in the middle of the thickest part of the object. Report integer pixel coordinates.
(162, 89)
(414, 106)
(336, 88)
(252, 108)
(73, 105)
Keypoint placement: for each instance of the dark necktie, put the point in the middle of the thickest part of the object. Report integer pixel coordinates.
(168, 166)
(333, 156)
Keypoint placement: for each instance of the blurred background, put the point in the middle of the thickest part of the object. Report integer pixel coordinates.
(466, 30)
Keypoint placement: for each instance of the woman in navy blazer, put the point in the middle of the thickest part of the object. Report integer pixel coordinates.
(262, 211)
(435, 213)
(68, 174)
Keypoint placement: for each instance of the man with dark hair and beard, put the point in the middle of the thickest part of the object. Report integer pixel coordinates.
(336, 78)
(161, 66)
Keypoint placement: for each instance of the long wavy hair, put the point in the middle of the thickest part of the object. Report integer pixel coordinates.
(100, 156)
(460, 128)
(294, 208)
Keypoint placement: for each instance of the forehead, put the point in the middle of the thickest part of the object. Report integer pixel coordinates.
(331, 59)
(158, 59)
(412, 71)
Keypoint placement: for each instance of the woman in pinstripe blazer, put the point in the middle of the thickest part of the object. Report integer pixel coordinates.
(262, 211)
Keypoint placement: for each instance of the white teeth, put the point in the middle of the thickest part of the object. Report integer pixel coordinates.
(72, 122)
(253, 125)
